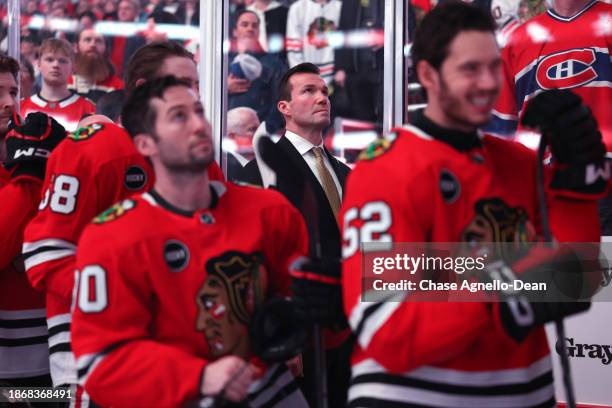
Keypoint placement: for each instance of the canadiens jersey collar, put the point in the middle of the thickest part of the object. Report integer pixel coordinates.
(159, 200)
(459, 140)
(551, 12)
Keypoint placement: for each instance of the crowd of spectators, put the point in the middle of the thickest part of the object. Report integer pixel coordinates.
(266, 38)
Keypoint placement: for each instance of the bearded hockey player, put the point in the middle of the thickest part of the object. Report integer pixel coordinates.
(446, 182)
(24, 147)
(169, 280)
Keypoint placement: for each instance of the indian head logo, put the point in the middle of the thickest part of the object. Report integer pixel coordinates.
(567, 69)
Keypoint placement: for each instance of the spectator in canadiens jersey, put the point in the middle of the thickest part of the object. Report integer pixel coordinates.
(446, 182)
(567, 47)
(55, 63)
(24, 354)
(93, 75)
(178, 302)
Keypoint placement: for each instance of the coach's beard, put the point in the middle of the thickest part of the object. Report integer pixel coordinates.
(92, 66)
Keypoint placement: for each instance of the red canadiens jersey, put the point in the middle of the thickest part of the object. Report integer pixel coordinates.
(23, 331)
(89, 171)
(163, 291)
(445, 354)
(68, 112)
(550, 51)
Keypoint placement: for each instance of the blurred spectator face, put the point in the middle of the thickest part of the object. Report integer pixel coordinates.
(247, 27)
(127, 11)
(86, 22)
(55, 68)
(57, 11)
(110, 7)
(26, 82)
(31, 7)
(309, 106)
(91, 43)
(242, 124)
(28, 50)
(182, 68)
(82, 7)
(8, 99)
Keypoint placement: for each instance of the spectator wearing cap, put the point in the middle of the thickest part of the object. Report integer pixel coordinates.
(253, 74)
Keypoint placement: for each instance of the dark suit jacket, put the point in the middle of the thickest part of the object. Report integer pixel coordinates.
(319, 222)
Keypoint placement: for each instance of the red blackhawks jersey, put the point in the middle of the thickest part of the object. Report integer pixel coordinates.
(162, 292)
(441, 189)
(68, 112)
(549, 52)
(23, 331)
(88, 171)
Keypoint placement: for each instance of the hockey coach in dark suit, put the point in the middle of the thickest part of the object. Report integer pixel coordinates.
(304, 104)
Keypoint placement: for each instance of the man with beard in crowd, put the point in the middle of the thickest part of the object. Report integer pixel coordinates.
(93, 75)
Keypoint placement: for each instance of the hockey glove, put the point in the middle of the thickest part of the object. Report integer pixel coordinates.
(29, 143)
(317, 292)
(275, 332)
(570, 283)
(575, 141)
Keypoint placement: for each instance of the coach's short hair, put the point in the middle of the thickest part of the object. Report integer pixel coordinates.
(440, 27)
(284, 87)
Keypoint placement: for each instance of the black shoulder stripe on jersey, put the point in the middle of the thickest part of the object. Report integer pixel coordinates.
(60, 348)
(366, 314)
(24, 341)
(22, 323)
(535, 384)
(64, 327)
(46, 248)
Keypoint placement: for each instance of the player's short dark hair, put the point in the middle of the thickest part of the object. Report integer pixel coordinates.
(137, 115)
(284, 87)
(440, 27)
(146, 62)
(10, 65)
(110, 104)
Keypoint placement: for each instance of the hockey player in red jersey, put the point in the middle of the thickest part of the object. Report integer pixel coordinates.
(446, 182)
(168, 280)
(24, 147)
(54, 98)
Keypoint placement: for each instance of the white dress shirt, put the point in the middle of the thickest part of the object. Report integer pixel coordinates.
(304, 147)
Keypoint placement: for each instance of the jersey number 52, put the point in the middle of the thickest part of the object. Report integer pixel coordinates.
(370, 223)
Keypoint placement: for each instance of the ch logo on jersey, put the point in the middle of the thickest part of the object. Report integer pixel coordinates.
(86, 132)
(567, 69)
(378, 147)
(115, 211)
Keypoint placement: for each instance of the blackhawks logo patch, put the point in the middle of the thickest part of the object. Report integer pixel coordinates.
(115, 211)
(86, 132)
(378, 147)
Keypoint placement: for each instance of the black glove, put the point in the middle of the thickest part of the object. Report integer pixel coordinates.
(275, 332)
(317, 292)
(571, 280)
(29, 144)
(574, 138)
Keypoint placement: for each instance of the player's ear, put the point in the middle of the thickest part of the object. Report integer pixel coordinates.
(428, 75)
(145, 144)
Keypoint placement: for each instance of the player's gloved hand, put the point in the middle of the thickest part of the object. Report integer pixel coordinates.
(29, 143)
(570, 278)
(575, 140)
(275, 332)
(317, 291)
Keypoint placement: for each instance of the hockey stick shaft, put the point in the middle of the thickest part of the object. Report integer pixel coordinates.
(559, 326)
